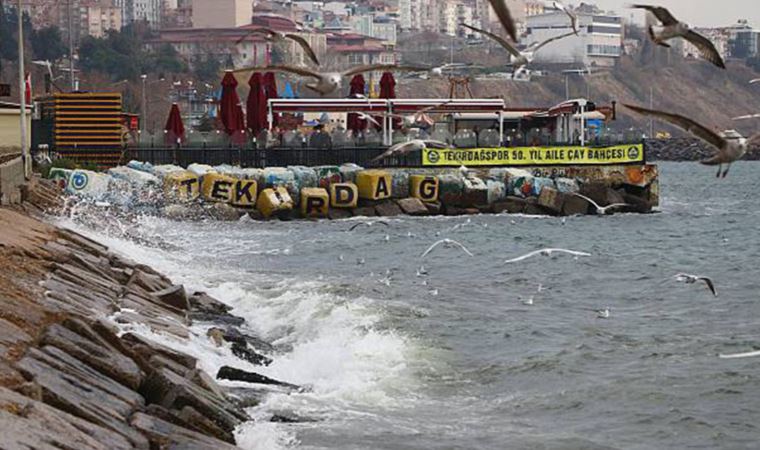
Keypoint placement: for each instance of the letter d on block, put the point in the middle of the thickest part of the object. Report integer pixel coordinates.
(314, 202)
(344, 195)
(424, 187)
(374, 184)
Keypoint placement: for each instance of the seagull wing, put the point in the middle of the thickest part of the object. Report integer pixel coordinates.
(754, 139)
(270, 34)
(430, 108)
(709, 284)
(662, 14)
(432, 247)
(305, 46)
(588, 200)
(570, 14)
(616, 205)
(706, 48)
(505, 17)
(357, 225)
(740, 355)
(523, 257)
(364, 116)
(756, 80)
(503, 42)
(550, 40)
(401, 147)
(684, 123)
(462, 247)
(569, 252)
(436, 144)
(384, 67)
(302, 71)
(748, 116)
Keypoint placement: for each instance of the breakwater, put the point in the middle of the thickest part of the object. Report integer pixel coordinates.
(687, 149)
(78, 366)
(336, 192)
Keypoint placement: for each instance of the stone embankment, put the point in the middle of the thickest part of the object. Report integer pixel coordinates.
(70, 377)
(686, 149)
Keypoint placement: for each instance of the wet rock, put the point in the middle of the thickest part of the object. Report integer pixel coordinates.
(236, 336)
(243, 352)
(146, 348)
(412, 207)
(183, 212)
(533, 208)
(202, 302)
(163, 434)
(78, 340)
(434, 208)
(475, 192)
(338, 213)
(388, 209)
(173, 391)
(148, 281)
(216, 335)
(174, 296)
(637, 203)
(233, 374)
(575, 206)
(246, 397)
(289, 418)
(202, 424)
(78, 389)
(601, 194)
(551, 199)
(451, 210)
(225, 212)
(511, 205)
(30, 424)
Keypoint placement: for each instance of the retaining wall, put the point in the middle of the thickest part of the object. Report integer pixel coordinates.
(11, 179)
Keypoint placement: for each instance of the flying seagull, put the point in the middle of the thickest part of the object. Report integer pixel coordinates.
(672, 28)
(691, 279)
(546, 252)
(730, 144)
(446, 243)
(756, 80)
(570, 14)
(740, 355)
(505, 17)
(276, 36)
(599, 209)
(368, 224)
(603, 313)
(521, 58)
(329, 82)
(414, 145)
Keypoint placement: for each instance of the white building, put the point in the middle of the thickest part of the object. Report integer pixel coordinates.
(140, 10)
(382, 27)
(599, 42)
(222, 13)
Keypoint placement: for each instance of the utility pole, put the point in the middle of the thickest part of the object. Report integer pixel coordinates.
(144, 120)
(71, 45)
(651, 106)
(26, 160)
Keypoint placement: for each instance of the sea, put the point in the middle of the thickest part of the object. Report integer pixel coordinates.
(398, 352)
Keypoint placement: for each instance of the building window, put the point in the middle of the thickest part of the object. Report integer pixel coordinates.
(604, 50)
(604, 30)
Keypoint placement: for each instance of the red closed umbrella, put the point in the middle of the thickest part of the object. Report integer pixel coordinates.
(353, 122)
(174, 129)
(256, 107)
(388, 91)
(229, 105)
(270, 90)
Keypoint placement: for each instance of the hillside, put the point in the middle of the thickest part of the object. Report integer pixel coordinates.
(694, 88)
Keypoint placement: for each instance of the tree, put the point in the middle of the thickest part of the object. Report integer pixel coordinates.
(8, 42)
(168, 60)
(47, 44)
(207, 68)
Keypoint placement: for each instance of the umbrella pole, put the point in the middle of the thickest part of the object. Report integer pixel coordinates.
(270, 114)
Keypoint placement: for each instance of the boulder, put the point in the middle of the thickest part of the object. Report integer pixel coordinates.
(233, 374)
(638, 204)
(224, 212)
(337, 214)
(163, 434)
(243, 352)
(146, 348)
(533, 208)
(202, 302)
(601, 193)
(174, 296)
(451, 189)
(475, 192)
(434, 208)
(511, 205)
(400, 183)
(412, 207)
(575, 206)
(364, 211)
(551, 199)
(236, 336)
(497, 191)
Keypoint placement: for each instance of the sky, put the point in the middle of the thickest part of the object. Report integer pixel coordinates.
(702, 13)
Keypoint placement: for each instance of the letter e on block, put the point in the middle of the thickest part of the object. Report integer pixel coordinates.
(217, 187)
(315, 202)
(344, 195)
(424, 187)
(374, 184)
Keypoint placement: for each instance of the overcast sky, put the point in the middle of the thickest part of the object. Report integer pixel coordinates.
(694, 12)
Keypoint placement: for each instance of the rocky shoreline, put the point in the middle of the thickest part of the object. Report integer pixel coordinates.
(71, 377)
(686, 149)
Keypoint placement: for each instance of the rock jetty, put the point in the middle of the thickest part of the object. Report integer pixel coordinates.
(686, 149)
(71, 378)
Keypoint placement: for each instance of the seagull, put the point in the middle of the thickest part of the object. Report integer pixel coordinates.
(329, 82)
(360, 261)
(748, 116)
(671, 28)
(340, 257)
(528, 301)
(446, 243)
(421, 272)
(730, 144)
(433, 292)
(691, 279)
(505, 17)
(740, 355)
(276, 36)
(603, 313)
(368, 224)
(756, 80)
(599, 209)
(570, 14)
(412, 146)
(461, 225)
(547, 252)
(521, 58)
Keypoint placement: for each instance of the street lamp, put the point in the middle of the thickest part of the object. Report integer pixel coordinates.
(144, 78)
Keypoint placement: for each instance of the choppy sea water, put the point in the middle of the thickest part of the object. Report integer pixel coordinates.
(455, 359)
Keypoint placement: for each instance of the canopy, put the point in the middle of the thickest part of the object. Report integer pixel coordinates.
(270, 91)
(353, 122)
(175, 129)
(388, 91)
(229, 105)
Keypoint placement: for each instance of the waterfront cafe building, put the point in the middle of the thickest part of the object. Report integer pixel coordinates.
(10, 128)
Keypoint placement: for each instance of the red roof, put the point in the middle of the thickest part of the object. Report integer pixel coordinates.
(347, 48)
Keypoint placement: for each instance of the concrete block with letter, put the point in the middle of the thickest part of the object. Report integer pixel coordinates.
(184, 186)
(424, 187)
(216, 187)
(344, 195)
(374, 184)
(244, 193)
(315, 202)
(274, 201)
